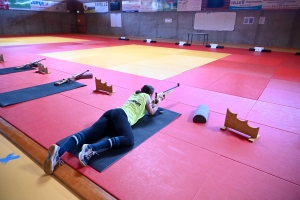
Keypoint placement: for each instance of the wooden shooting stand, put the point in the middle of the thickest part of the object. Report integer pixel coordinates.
(103, 87)
(1, 58)
(231, 121)
(42, 69)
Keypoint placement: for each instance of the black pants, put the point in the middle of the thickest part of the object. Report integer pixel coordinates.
(115, 119)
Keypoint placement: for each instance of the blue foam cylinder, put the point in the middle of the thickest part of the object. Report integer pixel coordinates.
(201, 114)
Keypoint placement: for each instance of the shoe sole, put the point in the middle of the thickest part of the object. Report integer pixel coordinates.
(48, 162)
(79, 156)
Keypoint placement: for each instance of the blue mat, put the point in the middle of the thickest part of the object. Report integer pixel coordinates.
(35, 92)
(142, 130)
(11, 70)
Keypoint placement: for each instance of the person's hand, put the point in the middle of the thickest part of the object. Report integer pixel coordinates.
(156, 101)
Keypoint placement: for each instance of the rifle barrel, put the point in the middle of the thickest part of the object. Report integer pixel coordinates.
(78, 75)
(28, 64)
(171, 88)
(68, 79)
(39, 60)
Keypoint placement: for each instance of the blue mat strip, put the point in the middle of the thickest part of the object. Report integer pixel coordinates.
(11, 70)
(142, 130)
(35, 92)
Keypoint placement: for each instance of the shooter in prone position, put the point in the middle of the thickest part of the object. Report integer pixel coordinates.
(121, 119)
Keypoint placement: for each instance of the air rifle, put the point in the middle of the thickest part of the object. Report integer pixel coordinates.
(31, 64)
(83, 75)
(162, 95)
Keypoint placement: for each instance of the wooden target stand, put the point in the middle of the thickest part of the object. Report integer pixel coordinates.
(231, 121)
(42, 69)
(103, 87)
(1, 58)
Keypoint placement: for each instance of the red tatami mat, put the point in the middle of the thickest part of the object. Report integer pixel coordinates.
(10, 81)
(99, 99)
(268, 153)
(16, 87)
(38, 78)
(48, 120)
(268, 61)
(240, 85)
(235, 181)
(288, 86)
(278, 116)
(291, 63)
(291, 99)
(242, 68)
(287, 74)
(237, 58)
(198, 77)
(10, 61)
(215, 101)
(163, 167)
(185, 160)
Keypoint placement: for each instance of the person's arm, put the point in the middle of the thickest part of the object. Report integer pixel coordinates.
(152, 108)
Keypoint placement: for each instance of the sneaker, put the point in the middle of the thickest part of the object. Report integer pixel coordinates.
(52, 159)
(86, 154)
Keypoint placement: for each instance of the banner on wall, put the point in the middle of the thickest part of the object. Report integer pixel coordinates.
(148, 6)
(131, 6)
(96, 7)
(89, 7)
(167, 5)
(19, 5)
(3, 5)
(280, 4)
(37, 5)
(101, 7)
(189, 5)
(48, 6)
(245, 5)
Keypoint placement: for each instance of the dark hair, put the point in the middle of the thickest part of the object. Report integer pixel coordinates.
(148, 89)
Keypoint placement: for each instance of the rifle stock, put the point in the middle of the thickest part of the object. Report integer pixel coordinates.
(30, 64)
(162, 95)
(83, 75)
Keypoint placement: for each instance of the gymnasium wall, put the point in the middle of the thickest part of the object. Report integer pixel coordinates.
(281, 28)
(19, 22)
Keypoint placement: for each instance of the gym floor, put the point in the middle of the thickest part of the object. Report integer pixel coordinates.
(185, 160)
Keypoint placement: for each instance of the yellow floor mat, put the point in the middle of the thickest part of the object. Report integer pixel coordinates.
(148, 61)
(35, 40)
(21, 178)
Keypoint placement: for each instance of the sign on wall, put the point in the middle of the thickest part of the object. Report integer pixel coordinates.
(148, 6)
(116, 20)
(281, 4)
(37, 5)
(131, 6)
(96, 7)
(248, 20)
(167, 5)
(189, 5)
(263, 4)
(245, 5)
(19, 5)
(3, 5)
(48, 6)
